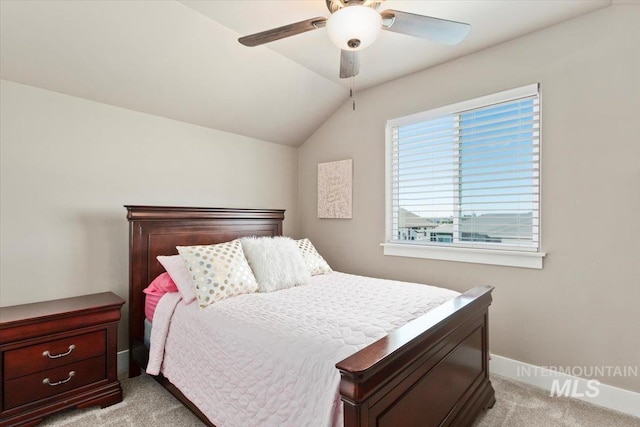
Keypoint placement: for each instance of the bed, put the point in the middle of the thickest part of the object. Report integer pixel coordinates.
(432, 371)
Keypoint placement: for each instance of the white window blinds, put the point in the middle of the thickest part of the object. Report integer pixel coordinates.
(468, 174)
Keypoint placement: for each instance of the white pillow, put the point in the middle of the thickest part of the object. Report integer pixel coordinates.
(177, 269)
(276, 262)
(218, 271)
(312, 258)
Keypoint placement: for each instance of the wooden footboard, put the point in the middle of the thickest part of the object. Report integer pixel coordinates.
(434, 371)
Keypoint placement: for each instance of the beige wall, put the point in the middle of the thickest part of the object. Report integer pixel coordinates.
(583, 308)
(68, 166)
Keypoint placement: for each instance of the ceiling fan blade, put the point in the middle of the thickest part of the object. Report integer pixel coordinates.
(349, 64)
(282, 32)
(425, 27)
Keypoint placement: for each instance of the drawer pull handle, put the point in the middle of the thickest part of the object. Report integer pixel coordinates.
(55, 356)
(47, 381)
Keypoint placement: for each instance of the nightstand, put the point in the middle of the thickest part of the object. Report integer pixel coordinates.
(57, 355)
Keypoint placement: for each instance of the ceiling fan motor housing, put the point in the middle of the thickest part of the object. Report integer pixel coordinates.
(334, 5)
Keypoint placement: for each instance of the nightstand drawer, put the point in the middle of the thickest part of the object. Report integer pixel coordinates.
(51, 354)
(44, 384)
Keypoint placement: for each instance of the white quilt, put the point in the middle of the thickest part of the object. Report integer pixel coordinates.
(268, 359)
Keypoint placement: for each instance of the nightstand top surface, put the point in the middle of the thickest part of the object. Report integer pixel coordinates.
(60, 307)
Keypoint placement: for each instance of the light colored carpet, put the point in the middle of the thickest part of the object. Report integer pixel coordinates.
(147, 404)
(521, 405)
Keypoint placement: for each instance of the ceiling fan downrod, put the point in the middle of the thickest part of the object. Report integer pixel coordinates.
(335, 5)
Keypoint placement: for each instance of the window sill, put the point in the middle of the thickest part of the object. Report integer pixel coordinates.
(478, 256)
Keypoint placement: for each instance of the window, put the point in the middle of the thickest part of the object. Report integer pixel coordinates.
(463, 181)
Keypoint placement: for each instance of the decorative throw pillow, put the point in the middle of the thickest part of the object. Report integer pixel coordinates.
(276, 262)
(178, 271)
(312, 258)
(218, 271)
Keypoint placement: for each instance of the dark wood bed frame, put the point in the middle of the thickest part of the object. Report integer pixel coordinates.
(434, 371)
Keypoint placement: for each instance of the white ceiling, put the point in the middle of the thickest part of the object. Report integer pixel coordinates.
(181, 60)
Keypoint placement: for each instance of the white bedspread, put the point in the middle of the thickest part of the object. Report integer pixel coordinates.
(268, 359)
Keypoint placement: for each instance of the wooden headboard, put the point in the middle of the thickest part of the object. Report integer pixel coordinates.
(157, 230)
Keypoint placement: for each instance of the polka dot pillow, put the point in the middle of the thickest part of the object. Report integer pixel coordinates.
(312, 258)
(218, 271)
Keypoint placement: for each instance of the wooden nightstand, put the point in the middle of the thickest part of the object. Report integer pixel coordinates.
(56, 355)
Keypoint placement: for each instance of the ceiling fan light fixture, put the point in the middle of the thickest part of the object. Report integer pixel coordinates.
(354, 27)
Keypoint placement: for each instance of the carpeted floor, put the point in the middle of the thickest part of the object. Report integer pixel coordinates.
(146, 404)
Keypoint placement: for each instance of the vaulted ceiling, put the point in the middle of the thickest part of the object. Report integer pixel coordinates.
(181, 60)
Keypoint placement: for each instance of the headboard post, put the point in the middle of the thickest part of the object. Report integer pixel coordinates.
(157, 230)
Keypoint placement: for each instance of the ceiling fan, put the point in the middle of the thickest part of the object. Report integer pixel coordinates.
(355, 24)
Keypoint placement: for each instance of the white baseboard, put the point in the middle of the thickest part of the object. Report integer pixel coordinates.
(607, 396)
(123, 363)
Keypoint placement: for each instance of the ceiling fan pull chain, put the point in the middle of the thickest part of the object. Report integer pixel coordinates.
(351, 92)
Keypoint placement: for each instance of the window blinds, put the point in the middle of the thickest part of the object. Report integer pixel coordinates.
(469, 176)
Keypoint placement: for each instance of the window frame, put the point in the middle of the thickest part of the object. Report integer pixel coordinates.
(474, 253)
